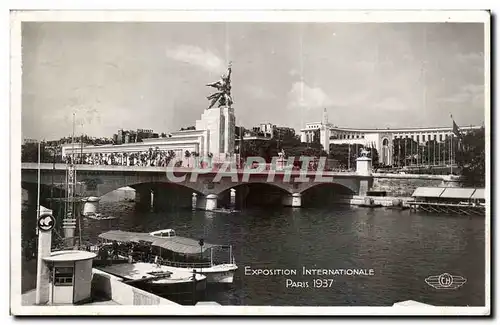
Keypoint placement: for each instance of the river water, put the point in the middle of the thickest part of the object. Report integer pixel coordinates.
(403, 248)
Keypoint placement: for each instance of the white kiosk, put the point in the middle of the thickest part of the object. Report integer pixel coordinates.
(70, 275)
(63, 277)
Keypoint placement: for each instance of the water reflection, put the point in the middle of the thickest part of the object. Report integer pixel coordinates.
(403, 248)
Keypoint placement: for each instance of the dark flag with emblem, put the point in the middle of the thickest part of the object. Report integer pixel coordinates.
(457, 133)
(456, 129)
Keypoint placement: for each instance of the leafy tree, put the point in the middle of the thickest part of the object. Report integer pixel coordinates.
(187, 155)
(405, 151)
(29, 153)
(470, 157)
(341, 153)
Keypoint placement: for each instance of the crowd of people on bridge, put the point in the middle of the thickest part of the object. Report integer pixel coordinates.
(154, 157)
(151, 157)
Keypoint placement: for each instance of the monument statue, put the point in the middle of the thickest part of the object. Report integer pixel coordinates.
(223, 94)
(364, 152)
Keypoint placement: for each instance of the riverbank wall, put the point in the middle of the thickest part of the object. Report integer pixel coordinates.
(386, 201)
(107, 285)
(400, 187)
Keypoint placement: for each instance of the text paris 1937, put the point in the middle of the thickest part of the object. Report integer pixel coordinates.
(313, 283)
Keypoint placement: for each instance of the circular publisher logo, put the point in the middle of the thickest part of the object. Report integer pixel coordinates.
(46, 222)
(445, 279)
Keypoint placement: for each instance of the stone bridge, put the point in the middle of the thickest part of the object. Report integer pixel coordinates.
(183, 182)
(211, 188)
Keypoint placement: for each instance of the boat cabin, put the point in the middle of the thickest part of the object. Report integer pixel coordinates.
(165, 247)
(164, 233)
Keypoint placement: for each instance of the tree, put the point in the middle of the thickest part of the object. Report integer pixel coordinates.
(470, 157)
(404, 151)
(187, 155)
(345, 155)
(29, 153)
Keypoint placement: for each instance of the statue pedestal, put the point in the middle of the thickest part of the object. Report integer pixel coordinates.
(364, 166)
(220, 124)
(91, 205)
(212, 120)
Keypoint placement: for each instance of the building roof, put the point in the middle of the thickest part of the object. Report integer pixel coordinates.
(428, 192)
(392, 130)
(74, 255)
(478, 194)
(449, 192)
(457, 193)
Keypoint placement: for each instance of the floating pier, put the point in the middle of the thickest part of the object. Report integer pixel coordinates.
(463, 201)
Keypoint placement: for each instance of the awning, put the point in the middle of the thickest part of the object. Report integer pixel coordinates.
(126, 236)
(180, 245)
(478, 194)
(428, 191)
(457, 193)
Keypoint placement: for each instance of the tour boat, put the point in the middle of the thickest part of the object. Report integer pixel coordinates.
(170, 282)
(216, 273)
(98, 216)
(224, 210)
(182, 253)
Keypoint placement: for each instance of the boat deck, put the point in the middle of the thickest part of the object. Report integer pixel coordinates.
(137, 271)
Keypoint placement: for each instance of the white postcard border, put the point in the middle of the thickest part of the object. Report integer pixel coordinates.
(229, 16)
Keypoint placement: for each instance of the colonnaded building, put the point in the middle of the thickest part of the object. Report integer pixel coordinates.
(214, 134)
(381, 139)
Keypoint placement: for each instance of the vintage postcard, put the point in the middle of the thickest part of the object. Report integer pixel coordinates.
(250, 163)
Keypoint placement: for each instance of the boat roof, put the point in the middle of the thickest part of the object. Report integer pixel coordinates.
(177, 244)
(449, 192)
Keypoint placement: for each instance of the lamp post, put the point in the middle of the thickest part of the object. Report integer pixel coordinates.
(201, 242)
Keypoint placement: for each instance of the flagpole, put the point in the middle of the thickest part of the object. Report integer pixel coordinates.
(406, 155)
(38, 188)
(434, 154)
(439, 153)
(349, 157)
(411, 152)
(452, 154)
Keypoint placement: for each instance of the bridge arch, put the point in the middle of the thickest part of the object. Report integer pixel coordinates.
(349, 184)
(324, 194)
(340, 188)
(278, 186)
(138, 186)
(46, 191)
(252, 193)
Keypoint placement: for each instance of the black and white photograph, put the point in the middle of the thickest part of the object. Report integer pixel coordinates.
(250, 164)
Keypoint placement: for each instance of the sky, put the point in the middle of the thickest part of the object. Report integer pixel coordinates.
(152, 75)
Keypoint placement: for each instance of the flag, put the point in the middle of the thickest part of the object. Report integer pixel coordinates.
(456, 129)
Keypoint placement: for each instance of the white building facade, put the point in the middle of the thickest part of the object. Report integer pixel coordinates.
(381, 139)
(214, 135)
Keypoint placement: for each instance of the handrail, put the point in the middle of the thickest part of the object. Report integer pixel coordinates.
(185, 264)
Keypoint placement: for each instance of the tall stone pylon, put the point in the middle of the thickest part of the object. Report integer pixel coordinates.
(324, 132)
